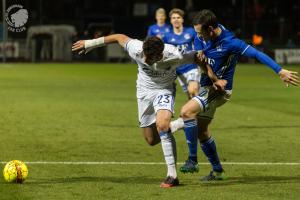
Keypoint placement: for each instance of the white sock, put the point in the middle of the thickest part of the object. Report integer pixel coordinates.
(168, 144)
(176, 125)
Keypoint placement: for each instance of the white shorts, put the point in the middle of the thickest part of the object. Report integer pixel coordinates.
(210, 99)
(184, 79)
(149, 104)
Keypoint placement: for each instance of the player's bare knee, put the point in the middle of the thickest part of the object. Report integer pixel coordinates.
(163, 126)
(186, 113)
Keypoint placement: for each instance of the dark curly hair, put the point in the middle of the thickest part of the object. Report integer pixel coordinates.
(153, 46)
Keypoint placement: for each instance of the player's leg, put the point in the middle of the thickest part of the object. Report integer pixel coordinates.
(190, 82)
(147, 119)
(178, 124)
(151, 135)
(193, 88)
(207, 142)
(189, 114)
(209, 149)
(193, 82)
(164, 107)
(183, 83)
(191, 164)
(168, 143)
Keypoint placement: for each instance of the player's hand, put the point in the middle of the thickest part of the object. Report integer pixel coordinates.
(201, 59)
(79, 46)
(289, 77)
(220, 84)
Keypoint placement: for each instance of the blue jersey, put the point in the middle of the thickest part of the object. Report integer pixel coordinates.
(160, 31)
(184, 42)
(223, 53)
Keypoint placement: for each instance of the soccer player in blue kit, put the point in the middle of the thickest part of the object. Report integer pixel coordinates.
(183, 38)
(160, 28)
(220, 49)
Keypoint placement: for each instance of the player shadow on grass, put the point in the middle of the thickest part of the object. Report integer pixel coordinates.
(270, 180)
(99, 179)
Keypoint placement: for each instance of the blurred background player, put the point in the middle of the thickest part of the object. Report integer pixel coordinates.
(183, 38)
(188, 74)
(160, 28)
(157, 63)
(221, 49)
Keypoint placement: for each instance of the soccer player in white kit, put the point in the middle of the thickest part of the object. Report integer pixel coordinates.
(157, 63)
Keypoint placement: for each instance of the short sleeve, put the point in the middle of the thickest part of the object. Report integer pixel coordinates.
(181, 58)
(238, 46)
(133, 47)
(173, 58)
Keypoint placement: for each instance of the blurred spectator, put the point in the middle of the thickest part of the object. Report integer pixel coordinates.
(161, 27)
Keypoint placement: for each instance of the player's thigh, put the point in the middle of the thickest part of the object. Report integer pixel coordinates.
(193, 80)
(164, 109)
(190, 82)
(146, 111)
(190, 109)
(163, 119)
(151, 135)
(183, 82)
(210, 99)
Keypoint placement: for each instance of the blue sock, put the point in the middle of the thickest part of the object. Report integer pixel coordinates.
(191, 135)
(210, 150)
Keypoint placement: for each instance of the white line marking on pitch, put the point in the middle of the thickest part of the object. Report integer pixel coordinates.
(147, 163)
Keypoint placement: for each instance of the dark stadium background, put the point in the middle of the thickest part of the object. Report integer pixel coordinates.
(276, 21)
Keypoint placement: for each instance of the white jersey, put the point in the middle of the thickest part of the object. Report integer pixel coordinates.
(160, 75)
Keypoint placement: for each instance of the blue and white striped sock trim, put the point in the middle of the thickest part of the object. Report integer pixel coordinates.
(210, 140)
(163, 133)
(190, 123)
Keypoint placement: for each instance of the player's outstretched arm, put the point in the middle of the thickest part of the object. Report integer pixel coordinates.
(84, 46)
(288, 77)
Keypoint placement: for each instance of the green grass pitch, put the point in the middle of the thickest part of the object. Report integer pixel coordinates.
(88, 112)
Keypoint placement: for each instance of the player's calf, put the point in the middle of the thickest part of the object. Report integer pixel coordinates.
(150, 134)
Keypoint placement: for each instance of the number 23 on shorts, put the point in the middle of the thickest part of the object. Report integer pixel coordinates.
(165, 100)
